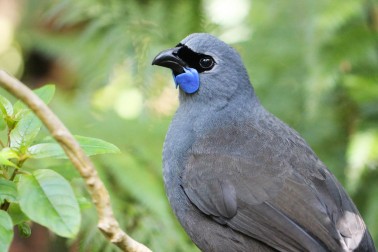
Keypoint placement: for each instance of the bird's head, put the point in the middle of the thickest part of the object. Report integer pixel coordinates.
(205, 68)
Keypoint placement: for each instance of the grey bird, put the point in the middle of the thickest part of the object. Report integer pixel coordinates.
(238, 178)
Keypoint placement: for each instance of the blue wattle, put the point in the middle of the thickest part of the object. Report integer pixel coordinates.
(188, 81)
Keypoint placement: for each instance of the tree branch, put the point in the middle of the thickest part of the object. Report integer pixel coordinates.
(100, 196)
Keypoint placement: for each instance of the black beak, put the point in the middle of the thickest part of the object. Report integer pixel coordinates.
(168, 58)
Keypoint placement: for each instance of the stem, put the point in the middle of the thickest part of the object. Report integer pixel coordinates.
(8, 136)
(100, 196)
(5, 206)
(13, 175)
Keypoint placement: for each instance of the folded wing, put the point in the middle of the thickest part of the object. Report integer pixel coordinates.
(288, 200)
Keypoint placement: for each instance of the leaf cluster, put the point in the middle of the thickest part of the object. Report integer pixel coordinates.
(36, 194)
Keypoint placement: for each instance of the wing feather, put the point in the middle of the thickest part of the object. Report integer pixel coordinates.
(288, 200)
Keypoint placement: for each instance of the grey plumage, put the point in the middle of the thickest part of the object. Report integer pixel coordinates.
(239, 179)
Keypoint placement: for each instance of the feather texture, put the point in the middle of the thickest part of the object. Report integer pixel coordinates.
(239, 179)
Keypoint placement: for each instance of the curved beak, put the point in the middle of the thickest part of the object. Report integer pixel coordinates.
(168, 58)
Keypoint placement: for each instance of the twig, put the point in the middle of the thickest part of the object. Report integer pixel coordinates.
(100, 196)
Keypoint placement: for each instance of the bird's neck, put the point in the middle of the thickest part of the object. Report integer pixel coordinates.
(199, 103)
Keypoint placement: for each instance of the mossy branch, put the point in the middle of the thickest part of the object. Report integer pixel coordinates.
(100, 196)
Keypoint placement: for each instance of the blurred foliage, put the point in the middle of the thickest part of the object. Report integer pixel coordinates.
(314, 64)
(23, 188)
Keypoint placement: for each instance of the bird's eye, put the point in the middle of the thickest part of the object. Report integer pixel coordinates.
(206, 63)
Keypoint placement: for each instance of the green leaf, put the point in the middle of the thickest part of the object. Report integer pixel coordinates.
(66, 169)
(91, 146)
(16, 214)
(94, 146)
(25, 131)
(47, 198)
(6, 107)
(44, 150)
(8, 191)
(6, 110)
(6, 154)
(6, 162)
(6, 231)
(46, 93)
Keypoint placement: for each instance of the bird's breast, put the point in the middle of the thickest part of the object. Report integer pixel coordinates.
(178, 141)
